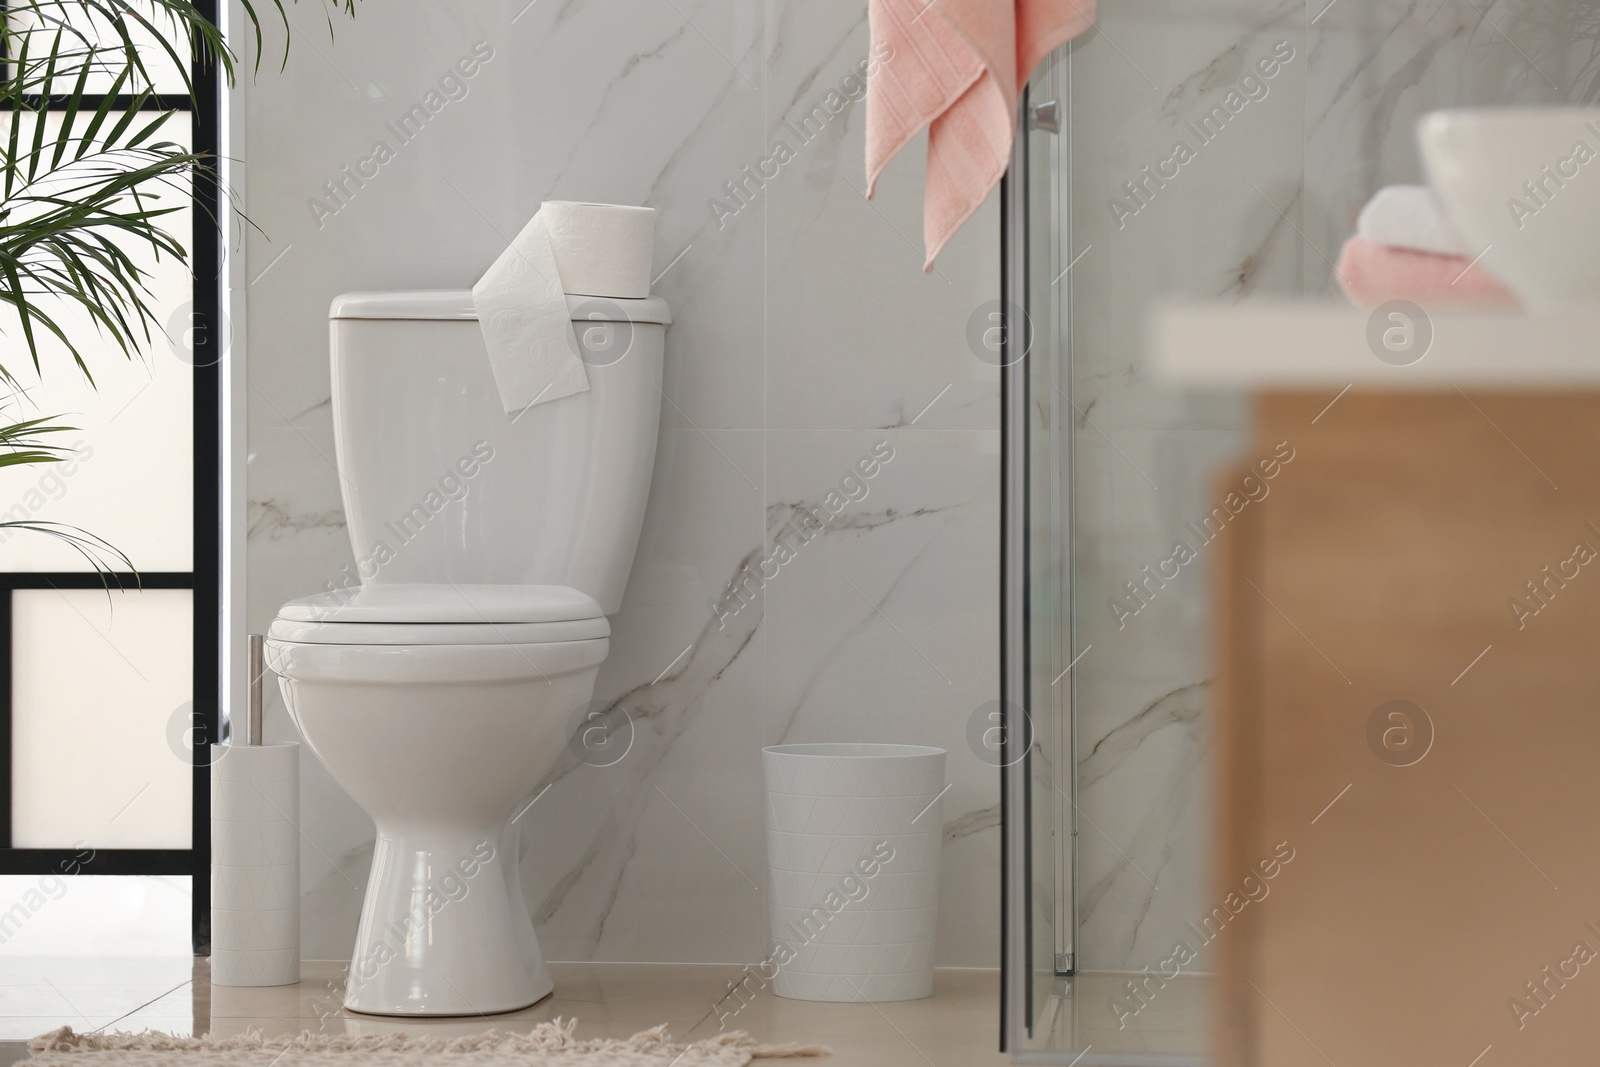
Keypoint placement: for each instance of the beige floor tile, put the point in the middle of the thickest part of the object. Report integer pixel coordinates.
(165, 971)
(114, 1000)
(178, 1004)
(32, 1000)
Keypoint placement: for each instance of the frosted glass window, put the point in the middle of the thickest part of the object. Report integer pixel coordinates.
(167, 75)
(132, 482)
(96, 726)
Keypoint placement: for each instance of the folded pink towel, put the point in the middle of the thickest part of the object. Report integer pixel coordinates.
(957, 67)
(1372, 274)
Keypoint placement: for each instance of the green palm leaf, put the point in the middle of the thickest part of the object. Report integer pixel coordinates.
(19, 443)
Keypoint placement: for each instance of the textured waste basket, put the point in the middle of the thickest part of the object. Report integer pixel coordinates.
(853, 834)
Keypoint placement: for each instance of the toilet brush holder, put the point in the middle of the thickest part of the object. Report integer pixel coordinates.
(255, 852)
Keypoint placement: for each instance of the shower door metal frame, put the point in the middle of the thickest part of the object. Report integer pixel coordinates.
(1020, 970)
(1016, 866)
(1053, 81)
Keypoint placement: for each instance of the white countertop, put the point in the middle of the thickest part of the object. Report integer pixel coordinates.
(1287, 345)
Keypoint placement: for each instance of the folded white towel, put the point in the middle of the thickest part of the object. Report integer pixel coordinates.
(1410, 216)
(523, 315)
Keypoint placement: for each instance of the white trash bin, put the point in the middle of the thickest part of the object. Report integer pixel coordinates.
(853, 834)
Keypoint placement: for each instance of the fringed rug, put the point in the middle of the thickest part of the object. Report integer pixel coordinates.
(548, 1044)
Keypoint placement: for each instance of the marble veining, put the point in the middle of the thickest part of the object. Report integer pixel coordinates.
(1223, 69)
(972, 822)
(1182, 709)
(273, 519)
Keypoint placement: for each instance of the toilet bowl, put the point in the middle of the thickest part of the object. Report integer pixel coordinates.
(440, 679)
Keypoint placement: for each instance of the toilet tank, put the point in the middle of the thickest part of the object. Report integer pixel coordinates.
(441, 485)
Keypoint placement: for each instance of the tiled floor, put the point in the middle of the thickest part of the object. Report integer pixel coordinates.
(957, 1026)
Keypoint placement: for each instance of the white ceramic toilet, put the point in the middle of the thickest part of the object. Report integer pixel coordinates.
(440, 688)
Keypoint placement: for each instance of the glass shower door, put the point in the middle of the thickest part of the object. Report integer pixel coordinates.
(1049, 536)
(1073, 1000)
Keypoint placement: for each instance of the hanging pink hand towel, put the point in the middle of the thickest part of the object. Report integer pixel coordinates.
(957, 67)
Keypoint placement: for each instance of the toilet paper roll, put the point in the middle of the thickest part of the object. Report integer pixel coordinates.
(601, 249)
(255, 865)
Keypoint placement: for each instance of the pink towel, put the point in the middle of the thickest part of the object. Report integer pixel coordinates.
(957, 67)
(1372, 274)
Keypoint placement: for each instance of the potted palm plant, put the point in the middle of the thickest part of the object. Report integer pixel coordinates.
(90, 188)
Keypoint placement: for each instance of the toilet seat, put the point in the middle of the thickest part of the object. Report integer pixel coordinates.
(442, 614)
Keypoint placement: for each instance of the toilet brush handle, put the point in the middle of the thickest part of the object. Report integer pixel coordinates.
(254, 668)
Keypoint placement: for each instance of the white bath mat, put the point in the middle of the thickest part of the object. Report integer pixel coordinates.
(549, 1044)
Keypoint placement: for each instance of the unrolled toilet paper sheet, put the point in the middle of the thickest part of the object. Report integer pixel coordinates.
(523, 315)
(601, 250)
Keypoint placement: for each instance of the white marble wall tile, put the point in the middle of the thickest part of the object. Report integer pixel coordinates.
(695, 885)
(613, 870)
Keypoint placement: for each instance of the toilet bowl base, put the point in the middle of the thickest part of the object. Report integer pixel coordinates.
(444, 928)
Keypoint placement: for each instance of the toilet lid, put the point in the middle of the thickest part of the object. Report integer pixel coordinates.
(442, 614)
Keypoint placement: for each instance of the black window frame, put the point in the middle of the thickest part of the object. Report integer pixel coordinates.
(205, 580)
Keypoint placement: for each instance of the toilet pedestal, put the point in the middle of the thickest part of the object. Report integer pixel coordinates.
(433, 929)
